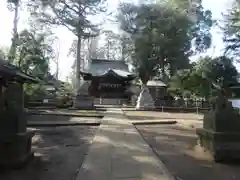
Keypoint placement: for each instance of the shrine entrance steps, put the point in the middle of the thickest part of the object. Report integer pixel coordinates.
(110, 101)
(118, 152)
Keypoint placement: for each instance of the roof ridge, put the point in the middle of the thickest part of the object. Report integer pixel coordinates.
(107, 60)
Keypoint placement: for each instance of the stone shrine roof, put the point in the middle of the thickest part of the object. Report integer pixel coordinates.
(101, 67)
(9, 70)
(156, 83)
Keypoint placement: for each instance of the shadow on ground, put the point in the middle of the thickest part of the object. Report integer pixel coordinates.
(59, 152)
(175, 146)
(58, 118)
(36, 118)
(95, 113)
(120, 151)
(146, 118)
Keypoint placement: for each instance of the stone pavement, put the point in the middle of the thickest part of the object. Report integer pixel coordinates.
(118, 152)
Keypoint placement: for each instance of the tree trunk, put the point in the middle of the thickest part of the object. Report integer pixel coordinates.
(78, 63)
(162, 65)
(12, 52)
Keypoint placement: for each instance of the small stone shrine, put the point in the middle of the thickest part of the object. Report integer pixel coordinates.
(15, 140)
(83, 99)
(220, 134)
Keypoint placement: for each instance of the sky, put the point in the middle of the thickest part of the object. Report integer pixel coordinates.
(65, 37)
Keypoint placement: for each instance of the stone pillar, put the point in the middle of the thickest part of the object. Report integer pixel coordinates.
(83, 100)
(15, 141)
(15, 101)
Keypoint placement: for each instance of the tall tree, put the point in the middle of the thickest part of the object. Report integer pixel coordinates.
(231, 29)
(4, 52)
(33, 53)
(71, 14)
(162, 36)
(84, 52)
(113, 47)
(167, 31)
(204, 75)
(14, 5)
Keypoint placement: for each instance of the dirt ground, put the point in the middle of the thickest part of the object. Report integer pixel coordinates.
(175, 146)
(59, 152)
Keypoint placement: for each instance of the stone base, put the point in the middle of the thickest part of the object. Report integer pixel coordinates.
(224, 147)
(83, 102)
(16, 151)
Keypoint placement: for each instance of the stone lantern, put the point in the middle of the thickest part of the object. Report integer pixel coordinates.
(220, 132)
(15, 140)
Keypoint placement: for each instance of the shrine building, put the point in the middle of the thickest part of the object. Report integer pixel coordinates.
(110, 81)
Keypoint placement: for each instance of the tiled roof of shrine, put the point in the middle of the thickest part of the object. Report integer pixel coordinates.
(101, 67)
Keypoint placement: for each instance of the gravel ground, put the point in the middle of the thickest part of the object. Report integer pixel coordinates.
(175, 146)
(59, 152)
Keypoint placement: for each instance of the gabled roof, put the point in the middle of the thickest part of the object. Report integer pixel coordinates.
(12, 71)
(116, 72)
(156, 83)
(101, 67)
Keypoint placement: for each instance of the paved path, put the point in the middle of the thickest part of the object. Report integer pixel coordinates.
(118, 152)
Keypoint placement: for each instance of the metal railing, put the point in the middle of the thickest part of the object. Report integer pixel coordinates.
(179, 105)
